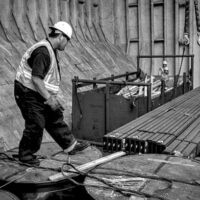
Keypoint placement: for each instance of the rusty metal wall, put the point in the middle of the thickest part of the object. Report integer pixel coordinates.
(104, 31)
(91, 52)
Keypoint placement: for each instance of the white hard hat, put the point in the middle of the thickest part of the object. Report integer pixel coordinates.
(164, 62)
(64, 27)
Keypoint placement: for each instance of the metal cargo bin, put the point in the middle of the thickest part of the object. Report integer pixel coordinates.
(97, 109)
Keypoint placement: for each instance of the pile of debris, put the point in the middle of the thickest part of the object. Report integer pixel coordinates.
(156, 81)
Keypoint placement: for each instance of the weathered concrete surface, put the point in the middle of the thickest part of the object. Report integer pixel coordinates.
(34, 183)
(144, 177)
(89, 54)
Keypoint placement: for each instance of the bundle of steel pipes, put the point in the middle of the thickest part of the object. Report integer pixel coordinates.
(171, 128)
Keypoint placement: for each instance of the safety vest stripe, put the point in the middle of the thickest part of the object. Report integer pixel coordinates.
(48, 85)
(27, 74)
(51, 87)
(48, 77)
(24, 72)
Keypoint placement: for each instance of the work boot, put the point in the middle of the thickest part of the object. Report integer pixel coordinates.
(80, 146)
(30, 160)
(71, 146)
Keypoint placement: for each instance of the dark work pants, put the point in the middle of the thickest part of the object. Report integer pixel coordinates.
(38, 117)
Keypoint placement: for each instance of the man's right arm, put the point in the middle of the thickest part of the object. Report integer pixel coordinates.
(40, 67)
(51, 100)
(40, 87)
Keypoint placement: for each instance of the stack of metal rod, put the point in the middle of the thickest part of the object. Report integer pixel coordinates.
(172, 128)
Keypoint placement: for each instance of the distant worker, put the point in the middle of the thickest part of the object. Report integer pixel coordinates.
(38, 95)
(164, 71)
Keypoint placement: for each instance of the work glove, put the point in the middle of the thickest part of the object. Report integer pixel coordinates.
(53, 102)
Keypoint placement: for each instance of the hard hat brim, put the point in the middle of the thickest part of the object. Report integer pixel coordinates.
(64, 27)
(53, 28)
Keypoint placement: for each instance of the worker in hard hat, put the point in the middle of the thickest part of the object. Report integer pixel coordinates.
(164, 72)
(38, 95)
(165, 68)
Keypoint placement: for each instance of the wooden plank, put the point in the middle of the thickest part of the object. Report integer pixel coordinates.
(87, 166)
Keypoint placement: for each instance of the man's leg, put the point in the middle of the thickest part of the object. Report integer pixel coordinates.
(61, 133)
(58, 129)
(31, 140)
(32, 108)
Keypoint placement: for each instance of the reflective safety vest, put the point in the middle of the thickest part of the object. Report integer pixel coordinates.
(52, 78)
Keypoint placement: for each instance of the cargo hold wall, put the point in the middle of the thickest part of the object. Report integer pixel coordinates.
(89, 54)
(108, 36)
